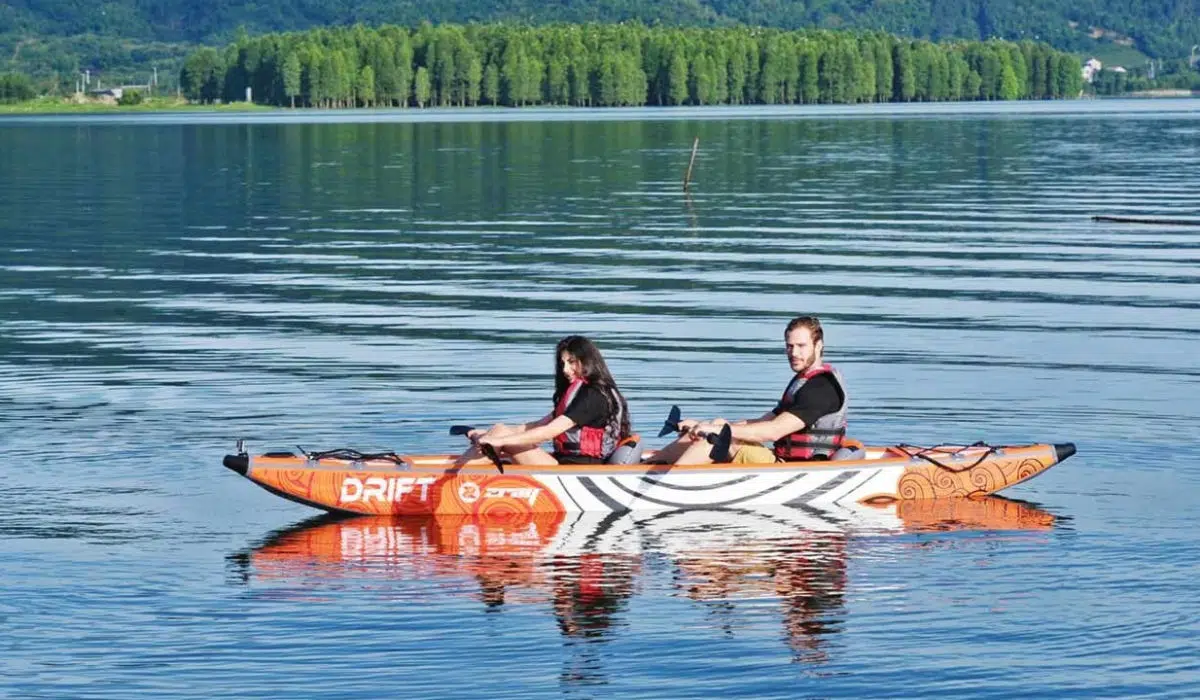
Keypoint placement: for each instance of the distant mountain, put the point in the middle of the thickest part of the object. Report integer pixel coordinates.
(116, 32)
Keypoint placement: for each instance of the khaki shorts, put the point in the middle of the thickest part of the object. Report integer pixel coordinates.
(753, 454)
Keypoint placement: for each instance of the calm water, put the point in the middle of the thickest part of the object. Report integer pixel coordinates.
(168, 286)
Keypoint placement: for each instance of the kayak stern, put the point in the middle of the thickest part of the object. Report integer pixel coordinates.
(239, 463)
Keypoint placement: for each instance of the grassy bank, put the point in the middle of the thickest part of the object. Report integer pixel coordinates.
(63, 105)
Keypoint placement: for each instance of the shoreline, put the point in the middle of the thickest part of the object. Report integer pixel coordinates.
(161, 111)
(52, 106)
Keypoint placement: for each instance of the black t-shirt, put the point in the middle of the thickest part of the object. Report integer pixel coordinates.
(589, 408)
(819, 396)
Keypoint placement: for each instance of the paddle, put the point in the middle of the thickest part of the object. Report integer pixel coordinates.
(671, 424)
(721, 441)
(491, 454)
(488, 450)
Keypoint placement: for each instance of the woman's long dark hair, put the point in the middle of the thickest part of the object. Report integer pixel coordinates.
(595, 372)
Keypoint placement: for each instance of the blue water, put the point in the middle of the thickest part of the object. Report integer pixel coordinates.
(169, 285)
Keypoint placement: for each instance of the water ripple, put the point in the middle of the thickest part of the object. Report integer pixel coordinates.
(366, 284)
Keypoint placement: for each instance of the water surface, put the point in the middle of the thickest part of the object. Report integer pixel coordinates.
(169, 285)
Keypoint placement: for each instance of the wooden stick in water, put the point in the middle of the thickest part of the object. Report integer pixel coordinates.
(687, 178)
(1136, 220)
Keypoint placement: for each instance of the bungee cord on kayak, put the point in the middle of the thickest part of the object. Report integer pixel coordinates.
(951, 451)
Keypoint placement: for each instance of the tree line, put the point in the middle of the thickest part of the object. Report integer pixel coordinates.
(628, 64)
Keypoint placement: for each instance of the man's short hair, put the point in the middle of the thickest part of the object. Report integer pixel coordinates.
(812, 323)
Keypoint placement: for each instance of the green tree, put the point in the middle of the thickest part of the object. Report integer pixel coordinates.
(1068, 76)
(422, 87)
(884, 70)
(1037, 74)
(677, 78)
(15, 87)
(607, 79)
(558, 83)
(865, 68)
(905, 78)
(380, 54)
(956, 71)
(405, 69)
(291, 77)
(202, 77)
(780, 73)
(808, 59)
(364, 87)
(472, 80)
(939, 75)
(129, 98)
(702, 83)
(491, 84)
(442, 67)
(632, 80)
(1016, 59)
(1010, 87)
(580, 70)
(735, 69)
(972, 85)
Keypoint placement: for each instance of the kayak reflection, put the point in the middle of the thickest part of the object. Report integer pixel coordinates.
(586, 566)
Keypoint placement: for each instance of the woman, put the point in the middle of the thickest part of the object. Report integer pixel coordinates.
(589, 420)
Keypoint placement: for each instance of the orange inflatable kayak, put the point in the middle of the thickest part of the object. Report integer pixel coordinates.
(347, 481)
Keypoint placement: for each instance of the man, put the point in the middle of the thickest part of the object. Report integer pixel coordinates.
(808, 423)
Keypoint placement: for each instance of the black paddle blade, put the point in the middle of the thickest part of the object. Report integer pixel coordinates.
(721, 442)
(490, 452)
(461, 429)
(671, 424)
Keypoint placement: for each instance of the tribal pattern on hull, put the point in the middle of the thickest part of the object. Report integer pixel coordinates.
(423, 485)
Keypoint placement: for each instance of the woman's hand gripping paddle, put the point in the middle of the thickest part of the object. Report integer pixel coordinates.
(487, 450)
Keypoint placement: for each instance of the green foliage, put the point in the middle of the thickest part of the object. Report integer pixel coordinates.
(130, 98)
(203, 76)
(1157, 27)
(53, 40)
(15, 87)
(617, 65)
(422, 87)
(291, 76)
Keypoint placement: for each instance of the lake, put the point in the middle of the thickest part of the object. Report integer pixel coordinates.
(170, 284)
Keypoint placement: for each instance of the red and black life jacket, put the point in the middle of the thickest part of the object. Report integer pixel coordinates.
(582, 440)
(825, 435)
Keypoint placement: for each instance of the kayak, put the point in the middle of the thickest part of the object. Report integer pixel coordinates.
(387, 484)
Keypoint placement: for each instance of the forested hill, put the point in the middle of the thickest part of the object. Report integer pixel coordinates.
(1159, 28)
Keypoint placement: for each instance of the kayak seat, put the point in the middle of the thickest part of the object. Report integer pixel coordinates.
(851, 449)
(629, 451)
(848, 453)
